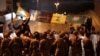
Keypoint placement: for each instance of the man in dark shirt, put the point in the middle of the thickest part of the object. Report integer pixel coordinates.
(22, 28)
(88, 24)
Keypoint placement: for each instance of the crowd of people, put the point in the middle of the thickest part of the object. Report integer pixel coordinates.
(51, 43)
(82, 41)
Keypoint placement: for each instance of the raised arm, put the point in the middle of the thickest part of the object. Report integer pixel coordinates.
(25, 22)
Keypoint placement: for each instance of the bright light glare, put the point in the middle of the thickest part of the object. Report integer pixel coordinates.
(22, 13)
(9, 16)
(19, 18)
(34, 15)
(57, 3)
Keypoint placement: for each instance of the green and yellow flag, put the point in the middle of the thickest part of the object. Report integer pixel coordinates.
(58, 18)
(76, 19)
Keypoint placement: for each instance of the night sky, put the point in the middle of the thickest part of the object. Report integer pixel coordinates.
(70, 6)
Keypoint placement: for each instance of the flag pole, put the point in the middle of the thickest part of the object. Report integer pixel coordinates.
(12, 12)
(37, 4)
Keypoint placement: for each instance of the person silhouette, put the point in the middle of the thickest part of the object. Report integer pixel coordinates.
(22, 28)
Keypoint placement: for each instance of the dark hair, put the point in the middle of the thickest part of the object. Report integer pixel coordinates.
(75, 33)
(88, 35)
(36, 35)
(26, 33)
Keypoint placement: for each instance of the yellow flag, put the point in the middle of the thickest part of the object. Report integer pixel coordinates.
(22, 12)
(58, 18)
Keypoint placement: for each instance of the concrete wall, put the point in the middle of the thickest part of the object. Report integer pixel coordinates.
(42, 27)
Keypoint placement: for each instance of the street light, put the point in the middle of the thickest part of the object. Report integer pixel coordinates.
(57, 4)
(37, 1)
